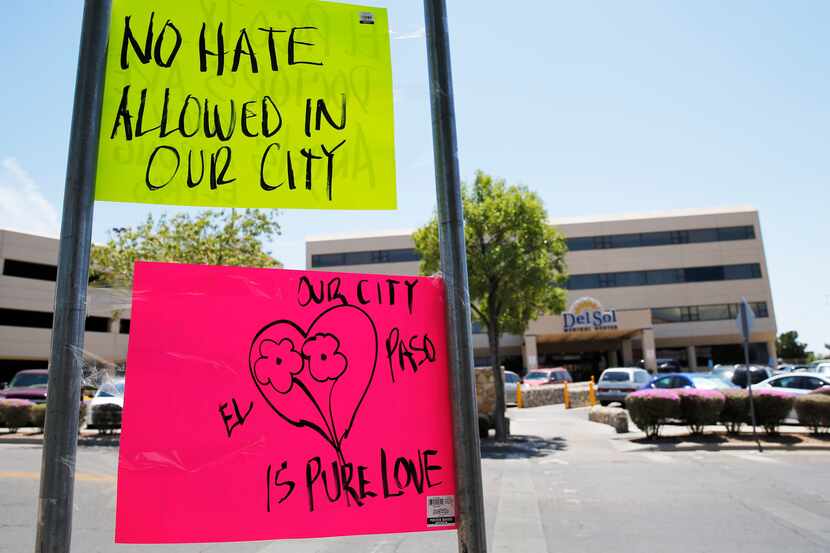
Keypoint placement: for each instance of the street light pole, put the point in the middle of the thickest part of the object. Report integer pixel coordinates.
(60, 441)
(470, 501)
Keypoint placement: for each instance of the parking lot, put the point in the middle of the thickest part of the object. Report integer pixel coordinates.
(562, 485)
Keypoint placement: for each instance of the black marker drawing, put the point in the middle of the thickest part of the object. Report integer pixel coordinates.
(317, 377)
(228, 417)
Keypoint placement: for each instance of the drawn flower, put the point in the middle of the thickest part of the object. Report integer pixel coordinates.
(277, 364)
(324, 358)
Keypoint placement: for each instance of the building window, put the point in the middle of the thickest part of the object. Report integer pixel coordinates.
(124, 326)
(97, 324)
(660, 238)
(26, 319)
(26, 269)
(664, 276)
(370, 257)
(711, 312)
(736, 233)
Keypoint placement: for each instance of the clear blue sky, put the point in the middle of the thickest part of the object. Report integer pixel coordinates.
(601, 107)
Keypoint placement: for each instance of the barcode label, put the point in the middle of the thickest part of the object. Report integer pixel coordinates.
(440, 510)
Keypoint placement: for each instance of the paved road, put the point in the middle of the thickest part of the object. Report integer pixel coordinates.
(567, 486)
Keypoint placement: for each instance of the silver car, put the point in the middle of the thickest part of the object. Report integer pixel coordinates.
(511, 382)
(614, 384)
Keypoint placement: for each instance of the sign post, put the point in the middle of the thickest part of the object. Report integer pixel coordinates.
(470, 501)
(60, 442)
(745, 320)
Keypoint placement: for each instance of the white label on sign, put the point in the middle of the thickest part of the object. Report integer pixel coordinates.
(440, 510)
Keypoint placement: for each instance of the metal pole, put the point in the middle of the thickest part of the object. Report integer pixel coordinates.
(470, 501)
(57, 477)
(745, 332)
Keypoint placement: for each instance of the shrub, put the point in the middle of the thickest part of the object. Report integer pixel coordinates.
(735, 410)
(772, 407)
(650, 408)
(106, 417)
(82, 415)
(15, 413)
(700, 408)
(825, 390)
(814, 412)
(37, 413)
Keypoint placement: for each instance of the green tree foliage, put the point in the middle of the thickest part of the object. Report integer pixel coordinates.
(213, 237)
(515, 263)
(789, 347)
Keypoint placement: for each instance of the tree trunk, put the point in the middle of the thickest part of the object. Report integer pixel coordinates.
(498, 415)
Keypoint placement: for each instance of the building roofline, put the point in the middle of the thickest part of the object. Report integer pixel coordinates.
(556, 221)
(689, 212)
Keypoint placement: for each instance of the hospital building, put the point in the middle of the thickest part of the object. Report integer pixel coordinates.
(643, 289)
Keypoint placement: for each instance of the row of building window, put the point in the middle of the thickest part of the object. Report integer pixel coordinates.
(27, 269)
(43, 319)
(370, 257)
(664, 276)
(664, 238)
(711, 312)
(40, 271)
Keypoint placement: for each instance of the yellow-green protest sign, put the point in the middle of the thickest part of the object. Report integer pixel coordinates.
(248, 103)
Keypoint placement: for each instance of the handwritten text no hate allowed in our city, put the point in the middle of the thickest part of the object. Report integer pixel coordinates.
(185, 116)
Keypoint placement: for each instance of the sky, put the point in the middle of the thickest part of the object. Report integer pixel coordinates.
(600, 107)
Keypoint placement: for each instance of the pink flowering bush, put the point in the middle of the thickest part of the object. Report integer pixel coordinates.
(772, 407)
(14, 413)
(649, 409)
(700, 408)
(824, 390)
(735, 410)
(814, 412)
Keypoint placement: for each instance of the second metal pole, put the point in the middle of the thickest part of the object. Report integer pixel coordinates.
(60, 441)
(745, 331)
(470, 500)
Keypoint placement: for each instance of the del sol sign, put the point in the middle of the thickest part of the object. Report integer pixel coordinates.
(587, 314)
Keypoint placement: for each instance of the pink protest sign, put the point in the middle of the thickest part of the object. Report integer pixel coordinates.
(265, 404)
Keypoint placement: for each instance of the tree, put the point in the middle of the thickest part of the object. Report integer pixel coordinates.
(789, 347)
(515, 263)
(226, 237)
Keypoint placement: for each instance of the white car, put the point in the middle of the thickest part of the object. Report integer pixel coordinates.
(110, 393)
(796, 383)
(822, 367)
(614, 384)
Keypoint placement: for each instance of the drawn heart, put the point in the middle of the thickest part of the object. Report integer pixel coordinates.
(317, 378)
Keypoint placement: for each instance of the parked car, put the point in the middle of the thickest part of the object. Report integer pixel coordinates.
(556, 375)
(30, 385)
(511, 382)
(821, 367)
(724, 372)
(797, 383)
(105, 408)
(701, 381)
(757, 374)
(666, 364)
(614, 384)
(788, 368)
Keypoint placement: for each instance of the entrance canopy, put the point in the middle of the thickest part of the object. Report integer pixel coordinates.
(588, 327)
